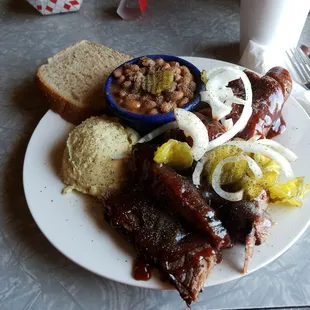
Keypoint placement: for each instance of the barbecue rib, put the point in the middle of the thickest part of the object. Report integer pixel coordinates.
(178, 194)
(160, 239)
(166, 185)
(246, 221)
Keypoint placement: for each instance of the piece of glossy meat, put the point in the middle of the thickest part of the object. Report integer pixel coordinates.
(239, 217)
(238, 87)
(177, 193)
(246, 221)
(185, 199)
(215, 128)
(142, 158)
(183, 256)
(270, 92)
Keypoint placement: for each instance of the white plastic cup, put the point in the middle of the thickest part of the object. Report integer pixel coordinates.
(274, 23)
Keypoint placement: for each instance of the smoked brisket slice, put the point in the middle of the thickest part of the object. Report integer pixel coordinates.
(160, 239)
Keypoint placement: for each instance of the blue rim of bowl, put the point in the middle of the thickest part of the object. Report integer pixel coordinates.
(158, 118)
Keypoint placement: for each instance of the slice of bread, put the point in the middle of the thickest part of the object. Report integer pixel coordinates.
(73, 79)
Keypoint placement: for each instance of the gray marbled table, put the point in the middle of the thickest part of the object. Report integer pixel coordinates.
(34, 275)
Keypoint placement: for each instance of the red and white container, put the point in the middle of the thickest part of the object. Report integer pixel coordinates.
(48, 7)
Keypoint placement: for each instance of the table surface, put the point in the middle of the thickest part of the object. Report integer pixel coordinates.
(33, 274)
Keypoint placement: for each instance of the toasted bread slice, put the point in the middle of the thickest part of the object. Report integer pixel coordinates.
(73, 79)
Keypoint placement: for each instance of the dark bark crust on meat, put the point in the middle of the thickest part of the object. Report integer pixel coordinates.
(160, 239)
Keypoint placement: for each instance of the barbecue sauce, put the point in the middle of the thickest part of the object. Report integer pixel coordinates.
(277, 129)
(183, 256)
(192, 260)
(141, 271)
(269, 95)
(205, 253)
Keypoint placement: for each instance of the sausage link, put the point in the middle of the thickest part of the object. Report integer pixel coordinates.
(269, 95)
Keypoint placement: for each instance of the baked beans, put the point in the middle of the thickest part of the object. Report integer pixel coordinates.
(128, 92)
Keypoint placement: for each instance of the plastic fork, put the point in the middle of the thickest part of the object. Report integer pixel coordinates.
(301, 63)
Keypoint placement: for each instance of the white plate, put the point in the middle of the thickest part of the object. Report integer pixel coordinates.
(73, 223)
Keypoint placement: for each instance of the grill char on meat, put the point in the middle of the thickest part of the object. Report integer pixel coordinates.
(160, 239)
(246, 221)
(178, 194)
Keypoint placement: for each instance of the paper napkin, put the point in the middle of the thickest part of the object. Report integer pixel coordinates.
(261, 58)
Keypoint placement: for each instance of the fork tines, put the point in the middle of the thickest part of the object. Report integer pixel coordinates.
(301, 63)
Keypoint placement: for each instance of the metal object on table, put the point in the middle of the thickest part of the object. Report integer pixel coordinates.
(301, 63)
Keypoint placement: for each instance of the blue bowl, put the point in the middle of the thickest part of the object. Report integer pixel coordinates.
(145, 123)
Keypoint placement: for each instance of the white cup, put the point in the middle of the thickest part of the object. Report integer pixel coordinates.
(274, 23)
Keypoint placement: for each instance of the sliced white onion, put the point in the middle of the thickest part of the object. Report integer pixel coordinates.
(253, 165)
(192, 126)
(220, 97)
(204, 97)
(225, 93)
(236, 100)
(254, 147)
(241, 122)
(287, 153)
(226, 136)
(158, 131)
(238, 126)
(224, 75)
(255, 138)
(216, 177)
(228, 124)
(119, 156)
(218, 107)
(199, 169)
(197, 173)
(244, 117)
